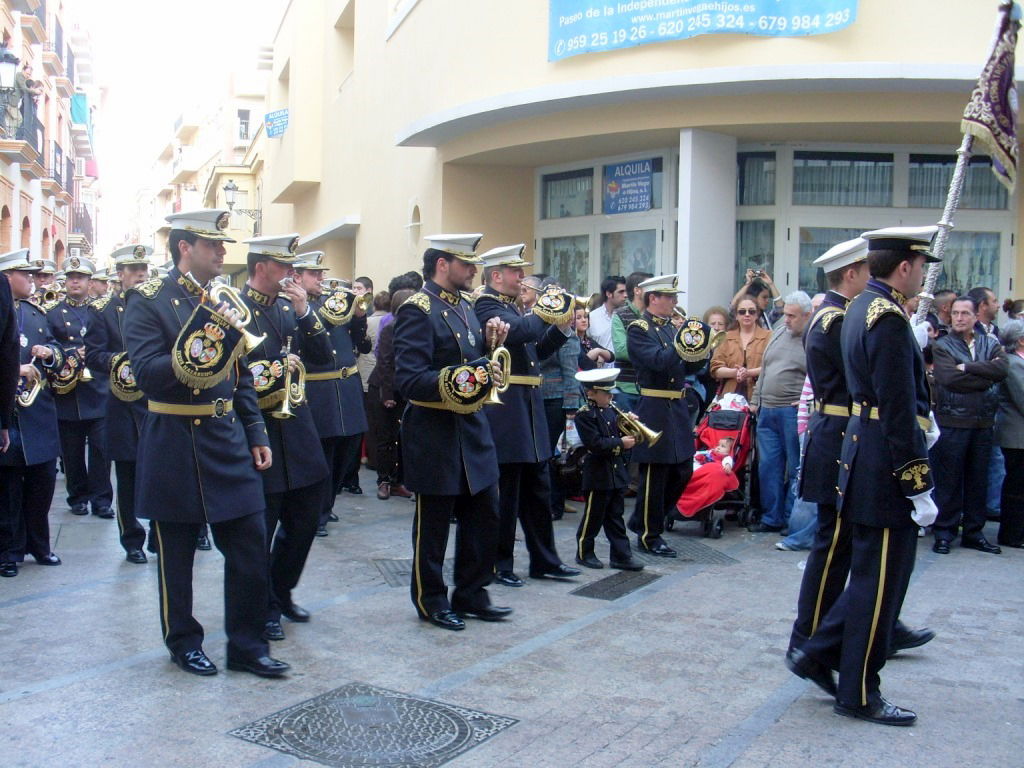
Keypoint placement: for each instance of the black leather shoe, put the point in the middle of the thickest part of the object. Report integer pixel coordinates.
(203, 543)
(295, 612)
(763, 528)
(445, 620)
(105, 512)
(321, 531)
(940, 547)
(8, 570)
(355, 490)
(661, 549)
(882, 713)
(490, 613)
(627, 565)
(195, 662)
(136, 556)
(264, 666)
(273, 630)
(910, 638)
(802, 665)
(561, 571)
(982, 545)
(79, 509)
(47, 559)
(332, 518)
(590, 561)
(508, 578)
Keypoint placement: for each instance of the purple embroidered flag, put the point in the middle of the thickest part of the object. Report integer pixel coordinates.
(991, 114)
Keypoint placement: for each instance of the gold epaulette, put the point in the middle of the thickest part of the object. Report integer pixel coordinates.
(150, 288)
(828, 316)
(100, 304)
(419, 299)
(642, 324)
(879, 307)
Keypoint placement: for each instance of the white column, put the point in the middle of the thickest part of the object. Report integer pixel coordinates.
(706, 236)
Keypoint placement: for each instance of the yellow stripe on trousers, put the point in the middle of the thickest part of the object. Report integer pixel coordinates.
(824, 575)
(874, 619)
(164, 609)
(647, 512)
(585, 526)
(416, 556)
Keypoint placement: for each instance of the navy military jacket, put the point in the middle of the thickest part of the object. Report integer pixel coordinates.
(338, 403)
(70, 323)
(520, 422)
(819, 474)
(604, 466)
(443, 453)
(104, 340)
(189, 469)
(659, 367)
(33, 430)
(884, 460)
(298, 458)
(9, 354)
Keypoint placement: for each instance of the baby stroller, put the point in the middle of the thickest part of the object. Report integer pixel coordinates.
(707, 499)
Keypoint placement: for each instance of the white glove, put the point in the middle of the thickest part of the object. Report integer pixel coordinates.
(931, 435)
(925, 511)
(921, 333)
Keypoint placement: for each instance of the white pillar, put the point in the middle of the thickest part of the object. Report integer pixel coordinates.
(706, 237)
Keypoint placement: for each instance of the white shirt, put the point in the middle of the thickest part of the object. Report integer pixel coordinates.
(601, 326)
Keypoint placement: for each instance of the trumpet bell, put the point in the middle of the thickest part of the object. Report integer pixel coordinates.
(503, 358)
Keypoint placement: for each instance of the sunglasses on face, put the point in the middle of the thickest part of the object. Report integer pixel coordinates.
(746, 311)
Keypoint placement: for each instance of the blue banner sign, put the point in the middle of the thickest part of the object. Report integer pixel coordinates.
(627, 186)
(275, 123)
(589, 26)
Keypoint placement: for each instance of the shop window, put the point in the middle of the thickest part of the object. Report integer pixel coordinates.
(625, 252)
(755, 248)
(566, 259)
(814, 241)
(570, 193)
(632, 186)
(929, 183)
(842, 178)
(971, 259)
(755, 178)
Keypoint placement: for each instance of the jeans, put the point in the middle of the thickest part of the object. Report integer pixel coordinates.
(996, 473)
(803, 520)
(778, 455)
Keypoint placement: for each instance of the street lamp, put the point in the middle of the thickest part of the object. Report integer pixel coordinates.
(230, 195)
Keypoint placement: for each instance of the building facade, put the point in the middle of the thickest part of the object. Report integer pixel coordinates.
(415, 116)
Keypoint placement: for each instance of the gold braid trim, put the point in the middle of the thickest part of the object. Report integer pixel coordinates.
(879, 307)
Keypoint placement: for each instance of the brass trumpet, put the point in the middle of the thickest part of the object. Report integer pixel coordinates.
(294, 391)
(503, 358)
(28, 396)
(632, 427)
(219, 293)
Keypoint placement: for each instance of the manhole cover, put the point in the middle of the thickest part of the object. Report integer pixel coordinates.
(690, 551)
(397, 573)
(617, 585)
(360, 725)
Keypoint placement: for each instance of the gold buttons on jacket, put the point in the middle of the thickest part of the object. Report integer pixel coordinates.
(197, 422)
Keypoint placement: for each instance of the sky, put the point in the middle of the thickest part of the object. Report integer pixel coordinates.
(155, 60)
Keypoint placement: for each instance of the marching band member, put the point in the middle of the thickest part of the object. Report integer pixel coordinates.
(202, 446)
(293, 485)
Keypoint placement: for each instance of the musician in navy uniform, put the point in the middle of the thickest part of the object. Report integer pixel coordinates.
(202, 446)
(334, 387)
(294, 483)
(828, 564)
(10, 352)
(885, 480)
(81, 401)
(447, 449)
(520, 424)
(663, 356)
(106, 357)
(28, 466)
(605, 472)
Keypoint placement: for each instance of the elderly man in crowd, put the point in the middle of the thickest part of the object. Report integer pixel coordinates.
(776, 398)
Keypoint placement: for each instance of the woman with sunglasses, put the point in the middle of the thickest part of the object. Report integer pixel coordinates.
(737, 361)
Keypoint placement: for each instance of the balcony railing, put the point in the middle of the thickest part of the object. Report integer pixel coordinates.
(40, 13)
(56, 169)
(58, 39)
(69, 174)
(69, 65)
(31, 130)
(81, 222)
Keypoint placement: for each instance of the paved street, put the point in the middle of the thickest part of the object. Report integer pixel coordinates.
(685, 671)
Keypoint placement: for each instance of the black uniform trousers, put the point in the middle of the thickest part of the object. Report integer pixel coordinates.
(242, 541)
(854, 637)
(25, 496)
(330, 485)
(960, 462)
(524, 493)
(604, 509)
(291, 519)
(133, 535)
(86, 483)
(661, 485)
(554, 414)
(1011, 515)
(385, 436)
(476, 536)
(342, 455)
